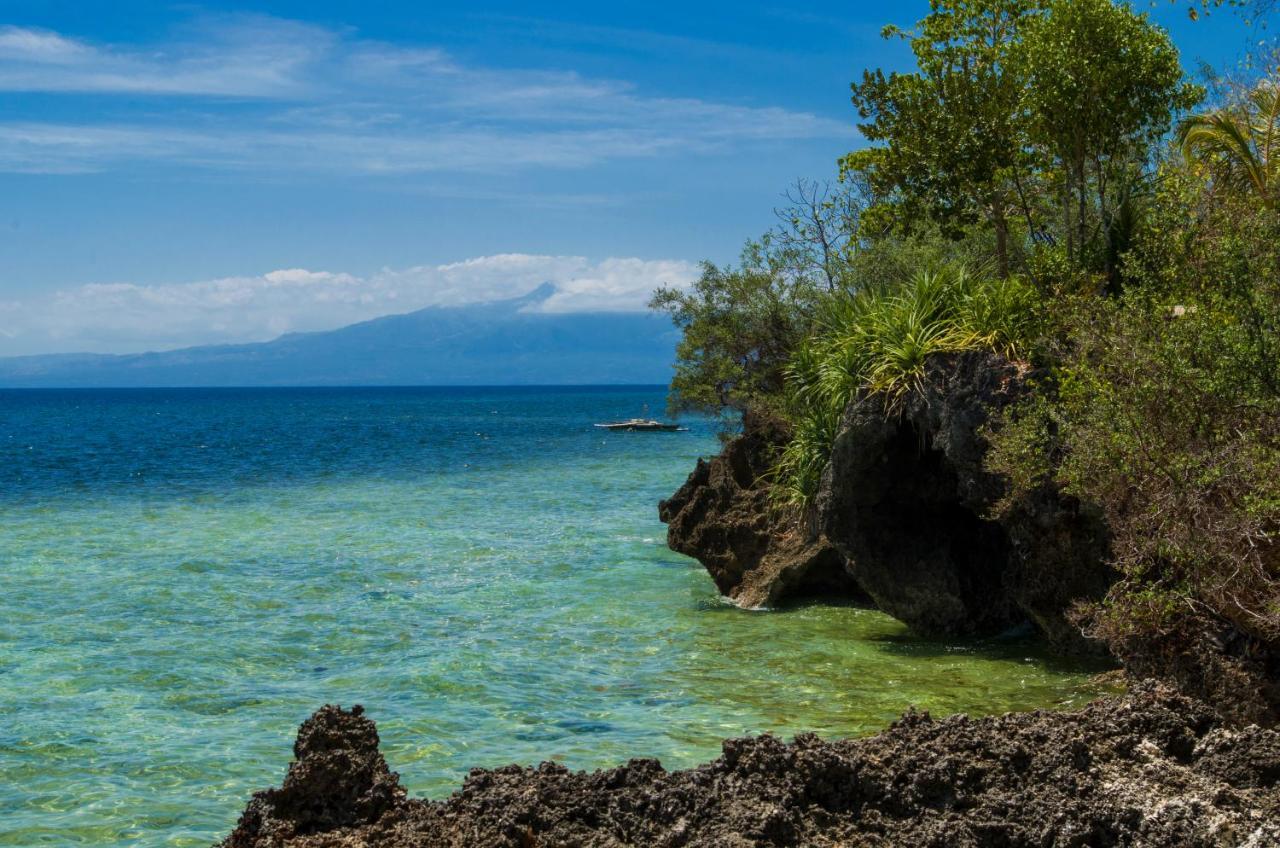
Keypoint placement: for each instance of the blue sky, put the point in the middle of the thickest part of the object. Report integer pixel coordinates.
(189, 173)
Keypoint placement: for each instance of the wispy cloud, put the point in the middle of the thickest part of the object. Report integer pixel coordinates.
(123, 317)
(249, 58)
(261, 93)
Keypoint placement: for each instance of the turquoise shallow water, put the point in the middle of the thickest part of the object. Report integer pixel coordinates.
(188, 573)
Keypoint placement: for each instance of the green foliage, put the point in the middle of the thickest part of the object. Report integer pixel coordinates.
(1166, 417)
(1240, 143)
(1036, 118)
(1102, 85)
(739, 325)
(1101, 80)
(1030, 141)
(878, 341)
(952, 133)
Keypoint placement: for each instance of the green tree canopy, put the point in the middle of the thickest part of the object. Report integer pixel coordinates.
(949, 137)
(1102, 85)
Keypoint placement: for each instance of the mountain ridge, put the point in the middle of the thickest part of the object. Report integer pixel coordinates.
(501, 342)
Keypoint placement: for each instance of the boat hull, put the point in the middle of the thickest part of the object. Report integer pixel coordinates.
(642, 428)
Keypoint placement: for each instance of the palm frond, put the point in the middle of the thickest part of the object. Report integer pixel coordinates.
(1239, 145)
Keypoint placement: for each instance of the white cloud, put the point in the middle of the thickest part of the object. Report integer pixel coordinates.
(19, 44)
(329, 102)
(249, 58)
(123, 317)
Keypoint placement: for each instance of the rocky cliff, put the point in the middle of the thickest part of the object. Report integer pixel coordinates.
(1147, 769)
(722, 516)
(907, 499)
(903, 517)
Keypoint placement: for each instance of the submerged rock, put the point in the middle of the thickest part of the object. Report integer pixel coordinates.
(1150, 768)
(722, 516)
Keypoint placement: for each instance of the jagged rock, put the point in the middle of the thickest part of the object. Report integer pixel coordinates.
(722, 516)
(1059, 557)
(1212, 660)
(907, 500)
(1150, 768)
(338, 779)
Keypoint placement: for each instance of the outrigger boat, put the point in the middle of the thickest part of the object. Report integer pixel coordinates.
(641, 424)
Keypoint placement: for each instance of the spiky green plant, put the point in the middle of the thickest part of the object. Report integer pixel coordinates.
(877, 342)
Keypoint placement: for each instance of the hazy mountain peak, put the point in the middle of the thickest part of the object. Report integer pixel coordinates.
(500, 342)
(540, 294)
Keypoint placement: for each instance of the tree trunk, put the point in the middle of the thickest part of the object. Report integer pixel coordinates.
(1067, 229)
(1082, 186)
(1081, 201)
(1002, 240)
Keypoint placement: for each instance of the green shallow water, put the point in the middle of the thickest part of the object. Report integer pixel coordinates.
(188, 574)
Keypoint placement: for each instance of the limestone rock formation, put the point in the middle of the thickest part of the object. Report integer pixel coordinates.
(904, 517)
(906, 499)
(722, 517)
(338, 779)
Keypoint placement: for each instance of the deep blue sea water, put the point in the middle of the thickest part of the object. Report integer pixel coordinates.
(187, 574)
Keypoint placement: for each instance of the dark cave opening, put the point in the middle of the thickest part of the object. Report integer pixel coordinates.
(918, 546)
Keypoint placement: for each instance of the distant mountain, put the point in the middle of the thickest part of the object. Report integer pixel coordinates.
(498, 343)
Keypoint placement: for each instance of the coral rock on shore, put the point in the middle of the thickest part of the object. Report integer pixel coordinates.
(722, 517)
(338, 779)
(1150, 768)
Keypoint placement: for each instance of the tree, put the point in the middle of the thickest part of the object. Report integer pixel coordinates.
(1240, 145)
(738, 329)
(952, 136)
(817, 228)
(739, 326)
(1102, 84)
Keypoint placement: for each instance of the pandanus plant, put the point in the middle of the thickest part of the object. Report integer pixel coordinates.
(1240, 145)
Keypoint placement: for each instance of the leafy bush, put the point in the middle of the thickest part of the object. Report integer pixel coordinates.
(738, 326)
(1165, 414)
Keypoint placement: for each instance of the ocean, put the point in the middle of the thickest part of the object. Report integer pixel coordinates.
(187, 574)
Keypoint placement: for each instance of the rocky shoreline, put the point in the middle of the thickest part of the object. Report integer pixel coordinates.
(909, 520)
(1149, 768)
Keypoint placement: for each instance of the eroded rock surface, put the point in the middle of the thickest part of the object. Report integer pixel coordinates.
(907, 500)
(722, 517)
(1212, 660)
(1150, 768)
(338, 779)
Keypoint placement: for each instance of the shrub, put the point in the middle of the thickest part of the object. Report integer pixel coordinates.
(1165, 414)
(877, 341)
